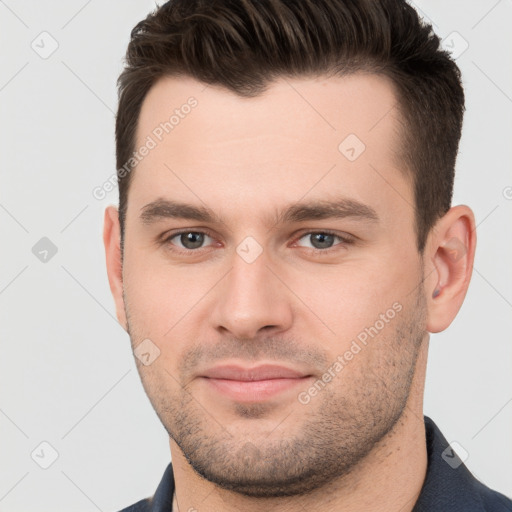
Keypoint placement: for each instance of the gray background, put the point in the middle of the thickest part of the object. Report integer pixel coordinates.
(67, 375)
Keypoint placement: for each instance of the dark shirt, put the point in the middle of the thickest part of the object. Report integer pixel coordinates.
(448, 487)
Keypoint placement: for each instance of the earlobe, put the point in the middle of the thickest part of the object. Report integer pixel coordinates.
(452, 251)
(112, 242)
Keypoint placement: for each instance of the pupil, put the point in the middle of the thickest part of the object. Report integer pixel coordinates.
(192, 240)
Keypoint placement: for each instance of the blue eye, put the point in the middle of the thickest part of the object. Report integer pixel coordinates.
(324, 240)
(190, 240)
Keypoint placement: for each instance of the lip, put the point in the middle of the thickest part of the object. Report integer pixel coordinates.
(261, 372)
(255, 384)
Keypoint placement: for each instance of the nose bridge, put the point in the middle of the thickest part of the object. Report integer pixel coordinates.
(251, 296)
(250, 274)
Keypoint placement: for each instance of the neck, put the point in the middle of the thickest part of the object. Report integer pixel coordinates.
(388, 479)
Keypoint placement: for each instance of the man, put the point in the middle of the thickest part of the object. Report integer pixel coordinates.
(284, 245)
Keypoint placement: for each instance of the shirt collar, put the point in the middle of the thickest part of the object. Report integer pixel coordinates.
(448, 482)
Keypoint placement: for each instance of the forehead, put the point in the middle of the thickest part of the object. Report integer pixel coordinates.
(359, 103)
(300, 136)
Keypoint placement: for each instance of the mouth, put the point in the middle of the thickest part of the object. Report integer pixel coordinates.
(255, 384)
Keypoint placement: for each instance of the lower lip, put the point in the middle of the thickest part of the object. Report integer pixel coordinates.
(254, 390)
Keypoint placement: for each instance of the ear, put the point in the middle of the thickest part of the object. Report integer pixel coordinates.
(112, 241)
(449, 256)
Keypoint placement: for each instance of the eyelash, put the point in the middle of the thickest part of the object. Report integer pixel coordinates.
(345, 240)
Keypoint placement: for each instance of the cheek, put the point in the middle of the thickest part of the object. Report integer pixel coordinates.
(161, 297)
(350, 297)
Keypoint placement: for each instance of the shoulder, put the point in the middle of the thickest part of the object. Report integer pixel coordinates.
(492, 501)
(141, 506)
(161, 501)
(450, 485)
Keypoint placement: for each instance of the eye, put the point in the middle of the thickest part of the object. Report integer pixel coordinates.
(324, 240)
(188, 240)
(191, 241)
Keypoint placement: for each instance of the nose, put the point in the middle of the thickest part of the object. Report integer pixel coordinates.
(252, 300)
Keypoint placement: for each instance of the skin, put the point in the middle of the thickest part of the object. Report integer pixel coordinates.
(247, 159)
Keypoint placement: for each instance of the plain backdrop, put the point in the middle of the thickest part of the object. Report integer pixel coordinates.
(67, 375)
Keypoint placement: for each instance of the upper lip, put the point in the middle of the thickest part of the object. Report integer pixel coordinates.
(262, 372)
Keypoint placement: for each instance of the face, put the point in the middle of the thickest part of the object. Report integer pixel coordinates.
(276, 230)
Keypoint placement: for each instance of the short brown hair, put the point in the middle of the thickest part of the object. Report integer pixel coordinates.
(243, 45)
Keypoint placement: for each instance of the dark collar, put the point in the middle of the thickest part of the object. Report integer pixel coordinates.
(448, 486)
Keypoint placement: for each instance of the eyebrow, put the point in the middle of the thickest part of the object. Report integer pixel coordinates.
(297, 212)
